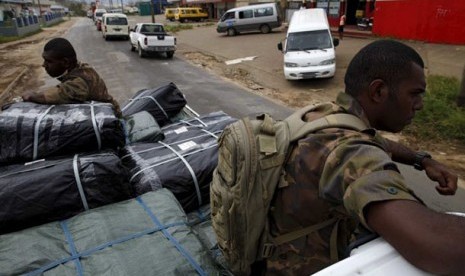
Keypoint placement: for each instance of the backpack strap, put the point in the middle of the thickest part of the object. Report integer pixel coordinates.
(302, 232)
(298, 128)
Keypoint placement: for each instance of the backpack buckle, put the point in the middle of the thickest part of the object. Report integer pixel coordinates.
(268, 249)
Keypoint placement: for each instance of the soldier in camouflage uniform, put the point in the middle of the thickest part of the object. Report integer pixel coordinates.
(351, 176)
(79, 81)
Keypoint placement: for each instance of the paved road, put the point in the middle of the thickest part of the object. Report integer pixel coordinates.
(125, 73)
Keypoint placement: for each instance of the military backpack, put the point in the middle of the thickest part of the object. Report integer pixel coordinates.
(251, 158)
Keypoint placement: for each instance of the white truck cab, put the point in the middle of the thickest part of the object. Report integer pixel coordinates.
(309, 47)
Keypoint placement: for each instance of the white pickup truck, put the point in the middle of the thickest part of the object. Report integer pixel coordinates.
(152, 38)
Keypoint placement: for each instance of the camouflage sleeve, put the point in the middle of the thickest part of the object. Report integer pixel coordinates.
(359, 174)
(71, 91)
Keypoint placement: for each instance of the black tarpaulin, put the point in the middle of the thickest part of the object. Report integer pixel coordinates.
(183, 162)
(30, 131)
(162, 103)
(47, 190)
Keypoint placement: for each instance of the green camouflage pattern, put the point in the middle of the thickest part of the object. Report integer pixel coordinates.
(329, 169)
(80, 85)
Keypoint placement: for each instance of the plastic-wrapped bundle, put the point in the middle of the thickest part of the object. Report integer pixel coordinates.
(163, 103)
(142, 127)
(148, 235)
(30, 131)
(46, 190)
(183, 162)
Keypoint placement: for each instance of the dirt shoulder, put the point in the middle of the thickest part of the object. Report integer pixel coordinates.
(21, 61)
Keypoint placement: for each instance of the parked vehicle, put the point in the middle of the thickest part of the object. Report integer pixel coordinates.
(98, 24)
(98, 14)
(169, 14)
(115, 25)
(152, 38)
(309, 47)
(365, 24)
(262, 17)
(191, 14)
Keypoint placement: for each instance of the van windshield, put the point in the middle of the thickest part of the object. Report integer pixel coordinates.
(226, 16)
(313, 40)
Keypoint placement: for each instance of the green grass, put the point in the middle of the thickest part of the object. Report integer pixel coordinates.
(440, 117)
(174, 28)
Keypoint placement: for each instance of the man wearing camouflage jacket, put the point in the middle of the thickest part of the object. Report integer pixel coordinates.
(79, 81)
(351, 177)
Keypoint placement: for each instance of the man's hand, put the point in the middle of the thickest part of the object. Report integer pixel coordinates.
(445, 177)
(33, 97)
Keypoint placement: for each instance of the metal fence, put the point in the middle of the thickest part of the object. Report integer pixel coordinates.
(24, 25)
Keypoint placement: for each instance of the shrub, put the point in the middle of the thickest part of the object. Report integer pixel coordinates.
(440, 117)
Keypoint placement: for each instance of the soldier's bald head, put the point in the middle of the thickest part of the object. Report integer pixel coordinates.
(384, 59)
(60, 48)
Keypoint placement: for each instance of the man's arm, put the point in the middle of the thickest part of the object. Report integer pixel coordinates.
(429, 240)
(445, 177)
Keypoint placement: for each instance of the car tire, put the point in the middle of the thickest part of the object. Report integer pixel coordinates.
(170, 54)
(231, 32)
(265, 29)
(140, 51)
(132, 47)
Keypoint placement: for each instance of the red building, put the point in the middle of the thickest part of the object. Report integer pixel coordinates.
(437, 21)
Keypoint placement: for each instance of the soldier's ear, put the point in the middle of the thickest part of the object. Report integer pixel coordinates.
(378, 91)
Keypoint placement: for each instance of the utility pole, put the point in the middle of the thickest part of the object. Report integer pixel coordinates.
(40, 9)
(461, 96)
(152, 10)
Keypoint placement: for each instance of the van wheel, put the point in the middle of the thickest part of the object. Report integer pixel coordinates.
(169, 54)
(231, 32)
(265, 29)
(140, 51)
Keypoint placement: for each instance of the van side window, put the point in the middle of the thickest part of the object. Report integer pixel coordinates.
(246, 14)
(263, 12)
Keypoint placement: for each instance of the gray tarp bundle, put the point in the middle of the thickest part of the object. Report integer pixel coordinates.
(30, 131)
(183, 162)
(47, 190)
(144, 236)
(163, 103)
(200, 221)
(142, 127)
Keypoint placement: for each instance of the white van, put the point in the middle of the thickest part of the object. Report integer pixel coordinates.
(115, 25)
(309, 47)
(262, 17)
